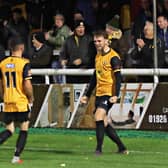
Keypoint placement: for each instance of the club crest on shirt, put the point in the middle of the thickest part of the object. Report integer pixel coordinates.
(104, 62)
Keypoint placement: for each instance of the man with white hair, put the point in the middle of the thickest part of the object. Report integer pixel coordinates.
(55, 38)
(145, 50)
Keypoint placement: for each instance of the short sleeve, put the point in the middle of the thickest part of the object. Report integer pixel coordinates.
(27, 74)
(116, 63)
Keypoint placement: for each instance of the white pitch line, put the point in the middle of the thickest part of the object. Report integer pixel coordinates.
(147, 152)
(50, 150)
(31, 148)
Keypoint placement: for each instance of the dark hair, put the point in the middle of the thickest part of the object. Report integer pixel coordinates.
(163, 15)
(17, 10)
(58, 12)
(78, 11)
(101, 33)
(78, 23)
(39, 36)
(14, 42)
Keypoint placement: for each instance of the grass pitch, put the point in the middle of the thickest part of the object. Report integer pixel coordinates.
(57, 148)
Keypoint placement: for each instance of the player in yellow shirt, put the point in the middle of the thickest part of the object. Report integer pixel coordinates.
(17, 94)
(107, 81)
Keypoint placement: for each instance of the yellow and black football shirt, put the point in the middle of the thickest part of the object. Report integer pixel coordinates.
(104, 79)
(13, 71)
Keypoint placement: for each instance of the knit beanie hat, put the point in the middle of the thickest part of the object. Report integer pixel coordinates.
(114, 22)
(78, 23)
(39, 36)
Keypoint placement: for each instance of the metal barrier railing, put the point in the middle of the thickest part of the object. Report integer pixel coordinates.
(79, 72)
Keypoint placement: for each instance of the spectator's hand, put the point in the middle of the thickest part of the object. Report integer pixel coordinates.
(46, 35)
(140, 43)
(5, 22)
(77, 61)
(84, 100)
(63, 62)
(113, 99)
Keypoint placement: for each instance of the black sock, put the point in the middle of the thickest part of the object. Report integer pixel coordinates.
(21, 141)
(99, 134)
(5, 135)
(111, 133)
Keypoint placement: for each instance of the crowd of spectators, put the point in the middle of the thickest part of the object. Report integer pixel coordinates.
(60, 35)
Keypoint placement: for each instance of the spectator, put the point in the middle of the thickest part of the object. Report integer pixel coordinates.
(17, 25)
(162, 22)
(78, 15)
(162, 33)
(116, 38)
(145, 50)
(78, 51)
(41, 55)
(55, 38)
(145, 13)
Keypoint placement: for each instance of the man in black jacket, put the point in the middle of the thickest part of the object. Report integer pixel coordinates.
(78, 51)
(41, 55)
(145, 51)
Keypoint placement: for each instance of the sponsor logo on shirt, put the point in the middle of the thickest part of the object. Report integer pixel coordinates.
(10, 65)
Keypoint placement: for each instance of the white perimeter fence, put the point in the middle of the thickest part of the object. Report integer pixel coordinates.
(79, 72)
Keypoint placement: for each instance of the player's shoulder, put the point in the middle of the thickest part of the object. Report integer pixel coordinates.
(14, 60)
(3, 61)
(114, 53)
(22, 59)
(25, 60)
